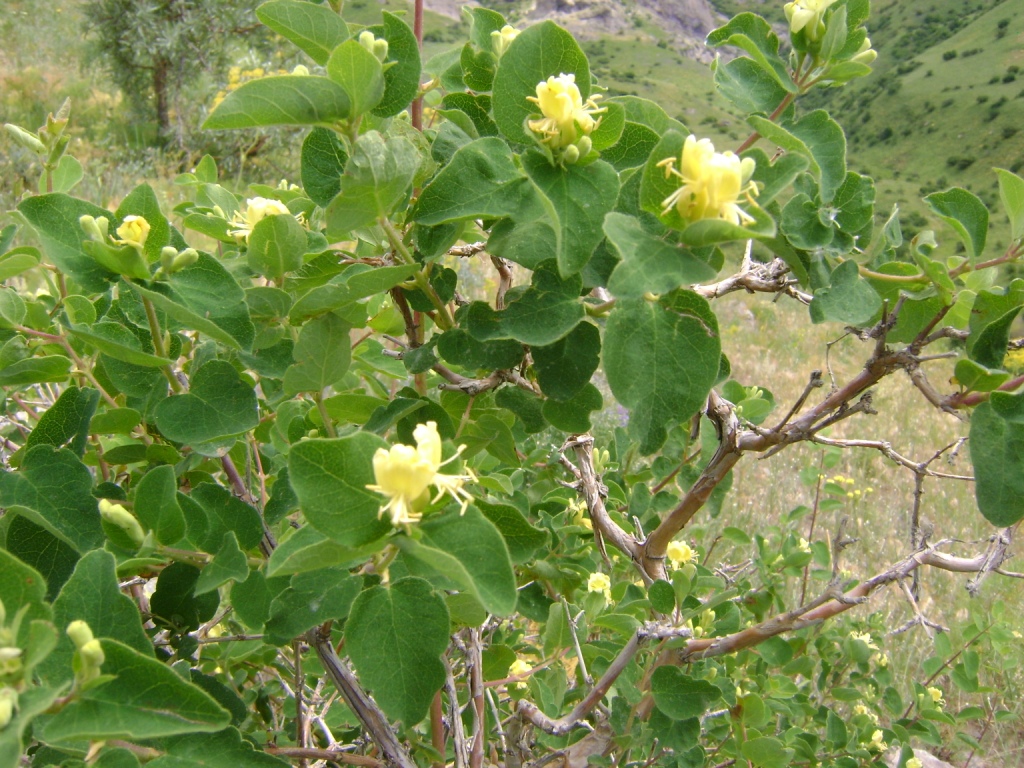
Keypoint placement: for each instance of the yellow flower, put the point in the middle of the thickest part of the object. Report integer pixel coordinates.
(877, 744)
(565, 116)
(860, 709)
(865, 54)
(915, 762)
(865, 638)
(578, 508)
(500, 41)
(712, 183)
(256, 209)
(807, 15)
(679, 553)
(803, 545)
(936, 694)
(404, 474)
(599, 582)
(133, 231)
(519, 668)
(301, 69)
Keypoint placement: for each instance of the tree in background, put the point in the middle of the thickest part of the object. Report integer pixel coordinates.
(153, 50)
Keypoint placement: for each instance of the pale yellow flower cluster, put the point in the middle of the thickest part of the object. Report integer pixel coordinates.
(599, 582)
(679, 553)
(566, 118)
(877, 743)
(256, 209)
(520, 668)
(808, 16)
(404, 474)
(501, 40)
(712, 183)
(134, 231)
(936, 695)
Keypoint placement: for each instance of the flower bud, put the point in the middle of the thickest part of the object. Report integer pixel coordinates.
(377, 47)
(571, 154)
(689, 571)
(25, 138)
(865, 54)
(92, 654)
(585, 145)
(167, 255)
(712, 673)
(95, 228)
(301, 69)
(118, 516)
(3, 614)
(501, 40)
(80, 633)
(8, 701)
(186, 258)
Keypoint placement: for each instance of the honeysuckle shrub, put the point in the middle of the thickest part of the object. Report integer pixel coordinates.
(278, 488)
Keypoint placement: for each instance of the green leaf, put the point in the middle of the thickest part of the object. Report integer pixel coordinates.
(522, 538)
(311, 599)
(573, 415)
(395, 637)
(477, 68)
(18, 260)
(1009, 406)
(633, 147)
(576, 199)
(92, 595)
(377, 177)
(542, 314)
(55, 220)
(67, 419)
(40, 549)
(35, 370)
(661, 359)
(322, 354)
(226, 513)
(65, 176)
(662, 596)
(565, 367)
(323, 162)
(525, 405)
(145, 700)
(223, 749)
(966, 214)
(479, 181)
(974, 377)
(31, 702)
(330, 478)
(21, 586)
(156, 505)
(997, 453)
(1011, 191)
(476, 106)
(281, 100)
(992, 315)
(755, 36)
(749, 85)
(359, 72)
(316, 29)
(815, 136)
(218, 405)
(118, 342)
(308, 550)
(174, 604)
(767, 752)
(649, 264)
(403, 67)
(228, 564)
(276, 246)
(526, 242)
(469, 550)
(53, 489)
(774, 178)
(680, 696)
(205, 297)
(848, 299)
(541, 51)
(12, 308)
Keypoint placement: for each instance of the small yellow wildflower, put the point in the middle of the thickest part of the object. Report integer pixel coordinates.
(936, 694)
(679, 553)
(914, 762)
(860, 709)
(256, 209)
(565, 116)
(865, 638)
(599, 582)
(712, 183)
(579, 516)
(520, 668)
(133, 231)
(404, 474)
(803, 545)
(880, 659)
(877, 744)
(808, 16)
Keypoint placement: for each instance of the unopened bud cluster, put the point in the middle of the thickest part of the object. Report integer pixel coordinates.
(89, 656)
